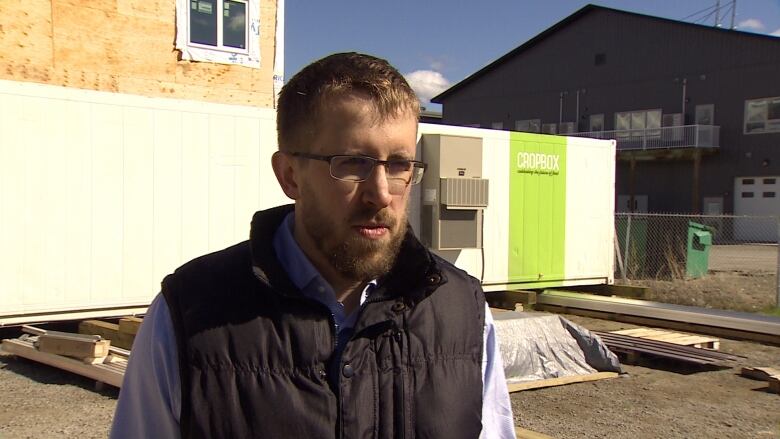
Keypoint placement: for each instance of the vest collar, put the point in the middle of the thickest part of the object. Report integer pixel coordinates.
(414, 275)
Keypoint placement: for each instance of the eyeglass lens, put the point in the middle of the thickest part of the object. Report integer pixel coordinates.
(356, 168)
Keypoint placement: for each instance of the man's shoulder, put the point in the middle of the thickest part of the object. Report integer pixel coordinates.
(453, 273)
(216, 263)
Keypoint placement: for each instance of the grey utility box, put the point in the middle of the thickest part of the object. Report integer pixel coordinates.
(453, 192)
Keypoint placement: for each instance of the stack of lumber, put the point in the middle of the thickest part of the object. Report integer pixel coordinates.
(121, 334)
(769, 374)
(632, 346)
(86, 355)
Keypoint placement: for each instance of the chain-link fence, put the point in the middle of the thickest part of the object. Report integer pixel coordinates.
(701, 257)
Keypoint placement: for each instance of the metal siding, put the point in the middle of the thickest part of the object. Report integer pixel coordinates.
(643, 58)
(104, 194)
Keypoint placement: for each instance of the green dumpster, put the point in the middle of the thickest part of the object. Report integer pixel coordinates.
(698, 254)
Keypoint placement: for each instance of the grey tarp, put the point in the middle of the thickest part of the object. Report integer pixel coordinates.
(538, 346)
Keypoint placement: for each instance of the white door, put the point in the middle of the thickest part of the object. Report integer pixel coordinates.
(756, 196)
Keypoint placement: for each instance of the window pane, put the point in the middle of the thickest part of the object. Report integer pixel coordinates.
(234, 24)
(770, 181)
(774, 109)
(638, 120)
(654, 119)
(622, 121)
(747, 194)
(769, 194)
(203, 22)
(597, 122)
(748, 181)
(756, 111)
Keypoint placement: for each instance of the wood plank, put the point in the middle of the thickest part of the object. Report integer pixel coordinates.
(72, 346)
(517, 387)
(130, 325)
(761, 373)
(522, 433)
(109, 331)
(649, 321)
(109, 374)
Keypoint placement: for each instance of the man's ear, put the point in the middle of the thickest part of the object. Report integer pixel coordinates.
(285, 174)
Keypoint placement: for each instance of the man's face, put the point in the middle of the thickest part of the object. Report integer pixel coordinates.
(356, 228)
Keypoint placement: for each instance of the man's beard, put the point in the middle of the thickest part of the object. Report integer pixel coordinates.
(355, 257)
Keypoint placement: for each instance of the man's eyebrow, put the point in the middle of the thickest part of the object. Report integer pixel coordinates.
(399, 156)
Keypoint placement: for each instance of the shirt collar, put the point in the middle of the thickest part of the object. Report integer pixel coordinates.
(293, 260)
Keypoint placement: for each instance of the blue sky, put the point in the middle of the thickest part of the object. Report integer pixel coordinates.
(437, 43)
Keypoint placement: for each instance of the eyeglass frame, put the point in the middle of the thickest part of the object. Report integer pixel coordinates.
(377, 162)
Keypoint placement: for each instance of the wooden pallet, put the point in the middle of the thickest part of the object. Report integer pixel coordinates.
(697, 341)
(110, 371)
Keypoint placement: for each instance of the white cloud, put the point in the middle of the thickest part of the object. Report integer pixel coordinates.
(751, 23)
(776, 33)
(427, 83)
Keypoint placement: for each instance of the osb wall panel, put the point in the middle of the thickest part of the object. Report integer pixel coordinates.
(124, 46)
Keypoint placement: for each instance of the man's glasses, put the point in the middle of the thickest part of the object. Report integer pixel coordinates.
(357, 168)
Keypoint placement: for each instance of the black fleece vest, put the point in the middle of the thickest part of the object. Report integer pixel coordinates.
(253, 351)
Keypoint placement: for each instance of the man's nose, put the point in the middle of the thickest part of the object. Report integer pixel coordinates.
(375, 189)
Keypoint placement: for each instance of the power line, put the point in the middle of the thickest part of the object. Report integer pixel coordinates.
(699, 12)
(705, 18)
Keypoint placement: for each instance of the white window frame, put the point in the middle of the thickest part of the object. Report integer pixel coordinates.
(770, 125)
(220, 4)
(248, 56)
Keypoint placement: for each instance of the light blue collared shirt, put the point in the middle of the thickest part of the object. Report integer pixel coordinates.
(150, 400)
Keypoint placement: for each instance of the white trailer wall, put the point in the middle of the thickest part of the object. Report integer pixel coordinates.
(102, 194)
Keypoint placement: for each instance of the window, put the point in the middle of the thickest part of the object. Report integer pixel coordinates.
(705, 114)
(748, 181)
(638, 123)
(567, 127)
(769, 194)
(596, 122)
(528, 125)
(747, 194)
(549, 128)
(770, 181)
(762, 115)
(223, 31)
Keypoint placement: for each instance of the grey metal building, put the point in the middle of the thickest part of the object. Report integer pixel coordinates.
(695, 109)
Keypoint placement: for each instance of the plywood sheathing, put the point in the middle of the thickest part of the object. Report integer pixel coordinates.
(124, 46)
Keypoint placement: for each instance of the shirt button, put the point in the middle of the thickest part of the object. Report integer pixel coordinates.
(348, 371)
(434, 279)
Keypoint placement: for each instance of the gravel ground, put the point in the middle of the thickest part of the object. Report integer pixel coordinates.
(659, 399)
(654, 400)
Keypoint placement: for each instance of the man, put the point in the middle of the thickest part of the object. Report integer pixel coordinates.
(332, 320)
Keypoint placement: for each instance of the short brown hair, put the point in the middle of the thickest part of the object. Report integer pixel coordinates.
(301, 99)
